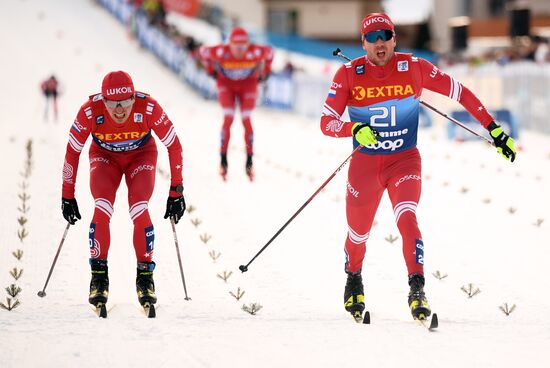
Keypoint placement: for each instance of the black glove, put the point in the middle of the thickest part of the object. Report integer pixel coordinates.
(505, 145)
(70, 210)
(175, 207)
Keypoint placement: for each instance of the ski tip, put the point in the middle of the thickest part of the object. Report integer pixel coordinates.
(366, 318)
(102, 310)
(149, 310)
(152, 311)
(434, 323)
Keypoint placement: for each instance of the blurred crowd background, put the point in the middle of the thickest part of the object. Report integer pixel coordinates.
(498, 48)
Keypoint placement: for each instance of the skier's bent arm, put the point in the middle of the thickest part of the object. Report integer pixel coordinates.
(335, 104)
(77, 138)
(164, 129)
(437, 81)
(78, 134)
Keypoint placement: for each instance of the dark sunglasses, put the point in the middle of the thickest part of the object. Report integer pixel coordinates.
(383, 34)
(124, 103)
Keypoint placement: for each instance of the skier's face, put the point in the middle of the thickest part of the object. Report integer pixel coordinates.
(379, 46)
(238, 50)
(119, 110)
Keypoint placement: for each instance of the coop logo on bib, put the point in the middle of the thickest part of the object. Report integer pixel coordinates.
(386, 145)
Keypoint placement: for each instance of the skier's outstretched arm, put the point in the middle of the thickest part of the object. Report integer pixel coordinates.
(335, 104)
(436, 80)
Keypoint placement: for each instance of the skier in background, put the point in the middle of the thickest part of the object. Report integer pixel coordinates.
(237, 66)
(120, 121)
(50, 89)
(382, 93)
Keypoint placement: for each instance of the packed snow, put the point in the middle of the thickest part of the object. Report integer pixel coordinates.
(485, 222)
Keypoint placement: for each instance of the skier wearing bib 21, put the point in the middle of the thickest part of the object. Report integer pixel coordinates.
(120, 121)
(382, 93)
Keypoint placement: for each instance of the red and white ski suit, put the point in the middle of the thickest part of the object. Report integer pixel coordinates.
(118, 150)
(237, 79)
(387, 97)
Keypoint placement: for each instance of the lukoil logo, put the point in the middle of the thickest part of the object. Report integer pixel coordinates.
(99, 159)
(161, 119)
(352, 191)
(368, 22)
(119, 90)
(386, 145)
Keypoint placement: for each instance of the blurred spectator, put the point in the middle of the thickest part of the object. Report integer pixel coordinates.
(50, 89)
(542, 53)
(154, 10)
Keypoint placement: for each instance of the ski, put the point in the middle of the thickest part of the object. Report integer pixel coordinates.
(149, 310)
(250, 174)
(360, 318)
(101, 310)
(430, 324)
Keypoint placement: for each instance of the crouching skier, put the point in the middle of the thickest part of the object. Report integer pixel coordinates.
(120, 121)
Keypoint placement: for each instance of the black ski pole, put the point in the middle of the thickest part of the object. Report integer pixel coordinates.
(244, 268)
(179, 258)
(42, 293)
(456, 122)
(339, 53)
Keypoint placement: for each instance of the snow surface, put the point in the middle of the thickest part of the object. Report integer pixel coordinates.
(465, 216)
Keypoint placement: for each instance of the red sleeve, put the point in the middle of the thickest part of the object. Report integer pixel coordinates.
(206, 55)
(268, 59)
(164, 129)
(435, 80)
(335, 104)
(78, 134)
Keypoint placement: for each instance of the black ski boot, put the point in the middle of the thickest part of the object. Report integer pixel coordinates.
(223, 166)
(249, 167)
(354, 298)
(99, 285)
(145, 286)
(417, 299)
